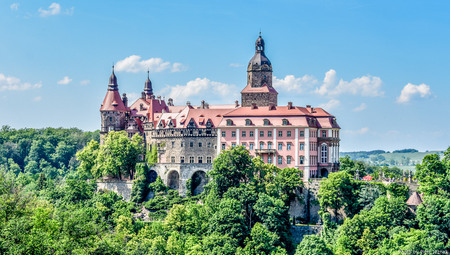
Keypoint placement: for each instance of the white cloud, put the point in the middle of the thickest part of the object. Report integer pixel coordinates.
(37, 99)
(85, 82)
(236, 65)
(201, 86)
(367, 85)
(53, 9)
(291, 83)
(410, 91)
(10, 83)
(14, 6)
(360, 108)
(361, 131)
(66, 80)
(134, 64)
(333, 103)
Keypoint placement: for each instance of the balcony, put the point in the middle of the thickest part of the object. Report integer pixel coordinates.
(265, 151)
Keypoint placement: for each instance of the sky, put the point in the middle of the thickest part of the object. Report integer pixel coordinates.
(380, 67)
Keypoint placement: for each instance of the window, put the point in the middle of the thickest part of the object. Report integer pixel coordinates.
(288, 146)
(233, 145)
(269, 133)
(182, 144)
(251, 146)
(288, 133)
(208, 160)
(280, 146)
(229, 122)
(302, 159)
(224, 133)
(261, 145)
(181, 159)
(244, 144)
(266, 122)
(323, 153)
(244, 134)
(280, 160)
(209, 145)
(269, 145)
(173, 144)
(251, 133)
(280, 133)
(248, 122)
(285, 122)
(288, 160)
(223, 146)
(324, 133)
(261, 133)
(199, 132)
(302, 133)
(110, 128)
(191, 159)
(200, 160)
(191, 144)
(233, 133)
(302, 146)
(110, 118)
(200, 144)
(172, 159)
(269, 159)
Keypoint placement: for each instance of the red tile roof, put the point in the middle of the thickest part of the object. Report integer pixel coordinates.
(113, 102)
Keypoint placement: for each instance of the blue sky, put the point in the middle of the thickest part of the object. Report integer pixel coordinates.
(379, 66)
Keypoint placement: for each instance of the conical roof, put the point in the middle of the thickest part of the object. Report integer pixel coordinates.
(414, 199)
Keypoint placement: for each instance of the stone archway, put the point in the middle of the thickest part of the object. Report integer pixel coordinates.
(324, 172)
(152, 175)
(199, 180)
(173, 180)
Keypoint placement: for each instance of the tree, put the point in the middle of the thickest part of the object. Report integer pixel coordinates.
(262, 241)
(230, 168)
(367, 196)
(432, 175)
(312, 245)
(338, 191)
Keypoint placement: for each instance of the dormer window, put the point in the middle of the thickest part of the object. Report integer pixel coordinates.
(229, 123)
(266, 122)
(285, 122)
(248, 122)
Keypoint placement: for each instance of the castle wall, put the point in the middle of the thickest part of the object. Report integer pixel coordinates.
(121, 187)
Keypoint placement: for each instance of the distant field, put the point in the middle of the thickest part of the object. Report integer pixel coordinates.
(406, 161)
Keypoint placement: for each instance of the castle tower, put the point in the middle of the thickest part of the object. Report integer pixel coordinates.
(259, 88)
(113, 110)
(148, 90)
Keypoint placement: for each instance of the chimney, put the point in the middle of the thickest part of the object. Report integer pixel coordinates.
(159, 99)
(254, 106)
(236, 103)
(125, 100)
(202, 105)
(188, 103)
(170, 102)
(289, 106)
(308, 106)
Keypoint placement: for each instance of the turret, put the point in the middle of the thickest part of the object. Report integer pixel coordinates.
(148, 90)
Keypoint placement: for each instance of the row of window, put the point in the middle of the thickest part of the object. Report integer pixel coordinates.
(192, 160)
(191, 144)
(313, 160)
(261, 133)
(269, 146)
(248, 122)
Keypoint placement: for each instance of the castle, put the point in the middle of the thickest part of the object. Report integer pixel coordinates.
(189, 137)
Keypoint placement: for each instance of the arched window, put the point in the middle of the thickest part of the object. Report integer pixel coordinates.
(229, 122)
(266, 122)
(261, 145)
(248, 122)
(323, 153)
(285, 122)
(269, 145)
(302, 159)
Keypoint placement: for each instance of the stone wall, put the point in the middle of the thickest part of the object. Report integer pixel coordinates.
(298, 232)
(122, 188)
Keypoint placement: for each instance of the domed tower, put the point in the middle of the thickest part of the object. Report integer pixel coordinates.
(259, 88)
(113, 110)
(148, 90)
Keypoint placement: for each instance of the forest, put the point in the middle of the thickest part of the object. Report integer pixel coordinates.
(49, 203)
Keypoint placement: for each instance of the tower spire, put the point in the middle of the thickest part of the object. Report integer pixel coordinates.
(113, 81)
(148, 90)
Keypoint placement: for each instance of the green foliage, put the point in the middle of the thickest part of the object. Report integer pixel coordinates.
(398, 190)
(338, 191)
(313, 245)
(141, 183)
